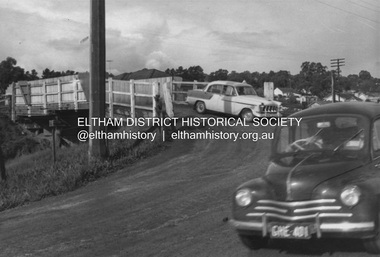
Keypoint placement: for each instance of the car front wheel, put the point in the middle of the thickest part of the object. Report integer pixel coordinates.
(372, 245)
(200, 107)
(254, 242)
(246, 115)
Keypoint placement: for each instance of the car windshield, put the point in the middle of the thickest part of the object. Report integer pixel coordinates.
(339, 136)
(245, 90)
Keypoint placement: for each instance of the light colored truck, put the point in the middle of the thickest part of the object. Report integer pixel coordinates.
(235, 98)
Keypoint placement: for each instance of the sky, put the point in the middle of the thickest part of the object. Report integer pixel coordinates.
(238, 35)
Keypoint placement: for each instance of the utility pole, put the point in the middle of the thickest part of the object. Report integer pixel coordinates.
(336, 63)
(97, 146)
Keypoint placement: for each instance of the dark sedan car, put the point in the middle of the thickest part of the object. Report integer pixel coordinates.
(323, 180)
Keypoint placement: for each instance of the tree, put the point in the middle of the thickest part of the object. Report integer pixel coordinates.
(315, 78)
(310, 70)
(171, 72)
(9, 73)
(32, 75)
(195, 73)
(190, 74)
(364, 75)
(282, 79)
(219, 75)
(235, 76)
(47, 73)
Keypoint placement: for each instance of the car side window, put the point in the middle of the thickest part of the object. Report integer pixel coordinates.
(376, 138)
(229, 91)
(216, 89)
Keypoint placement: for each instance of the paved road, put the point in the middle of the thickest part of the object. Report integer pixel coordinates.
(172, 204)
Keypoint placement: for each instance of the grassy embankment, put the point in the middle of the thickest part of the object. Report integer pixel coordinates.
(33, 176)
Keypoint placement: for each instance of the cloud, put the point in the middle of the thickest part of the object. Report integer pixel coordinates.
(234, 35)
(248, 40)
(158, 60)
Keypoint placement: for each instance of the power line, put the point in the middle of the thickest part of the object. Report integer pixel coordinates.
(352, 13)
(365, 7)
(370, 4)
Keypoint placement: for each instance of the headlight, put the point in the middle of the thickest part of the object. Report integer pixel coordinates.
(350, 195)
(243, 197)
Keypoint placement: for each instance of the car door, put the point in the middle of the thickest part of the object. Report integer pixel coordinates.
(376, 144)
(374, 167)
(213, 103)
(226, 101)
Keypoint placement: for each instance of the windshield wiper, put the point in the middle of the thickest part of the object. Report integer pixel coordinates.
(312, 138)
(347, 140)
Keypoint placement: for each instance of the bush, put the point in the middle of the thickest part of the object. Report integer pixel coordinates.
(16, 142)
(33, 177)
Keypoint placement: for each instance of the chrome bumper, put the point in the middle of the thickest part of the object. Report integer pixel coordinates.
(267, 114)
(323, 227)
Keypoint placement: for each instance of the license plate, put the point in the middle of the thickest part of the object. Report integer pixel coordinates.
(291, 231)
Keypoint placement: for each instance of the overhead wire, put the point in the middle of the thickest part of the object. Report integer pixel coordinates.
(363, 6)
(370, 4)
(349, 12)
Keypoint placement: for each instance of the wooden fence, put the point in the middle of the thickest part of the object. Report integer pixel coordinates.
(42, 97)
(131, 94)
(126, 98)
(179, 89)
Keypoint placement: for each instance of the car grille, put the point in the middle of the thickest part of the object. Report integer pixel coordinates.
(298, 210)
(269, 108)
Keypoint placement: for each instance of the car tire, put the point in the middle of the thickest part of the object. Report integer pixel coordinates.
(254, 242)
(200, 107)
(246, 115)
(372, 245)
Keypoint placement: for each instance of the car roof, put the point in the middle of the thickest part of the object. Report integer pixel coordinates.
(229, 83)
(370, 110)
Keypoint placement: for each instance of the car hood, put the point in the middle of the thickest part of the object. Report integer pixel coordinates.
(255, 100)
(298, 182)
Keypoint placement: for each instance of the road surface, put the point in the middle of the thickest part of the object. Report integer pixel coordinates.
(175, 203)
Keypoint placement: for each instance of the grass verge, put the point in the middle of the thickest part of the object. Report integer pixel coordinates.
(33, 177)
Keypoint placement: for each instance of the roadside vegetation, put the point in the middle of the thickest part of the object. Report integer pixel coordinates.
(15, 141)
(32, 177)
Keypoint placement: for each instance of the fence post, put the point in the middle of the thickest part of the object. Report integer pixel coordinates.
(168, 101)
(132, 91)
(44, 100)
(29, 98)
(76, 94)
(59, 94)
(13, 102)
(172, 87)
(110, 97)
(155, 91)
(195, 85)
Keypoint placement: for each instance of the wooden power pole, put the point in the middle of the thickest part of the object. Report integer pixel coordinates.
(336, 63)
(97, 146)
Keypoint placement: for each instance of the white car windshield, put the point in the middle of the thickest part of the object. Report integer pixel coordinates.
(245, 90)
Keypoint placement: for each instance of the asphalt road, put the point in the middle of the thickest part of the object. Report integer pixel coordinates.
(175, 203)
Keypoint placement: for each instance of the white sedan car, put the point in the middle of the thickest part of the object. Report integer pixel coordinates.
(235, 98)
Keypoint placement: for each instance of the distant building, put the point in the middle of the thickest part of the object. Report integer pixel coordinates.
(369, 96)
(343, 97)
(285, 92)
(319, 103)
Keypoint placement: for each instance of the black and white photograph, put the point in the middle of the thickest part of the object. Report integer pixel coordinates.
(189, 128)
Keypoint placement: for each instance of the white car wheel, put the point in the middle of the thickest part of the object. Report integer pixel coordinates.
(200, 107)
(246, 115)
